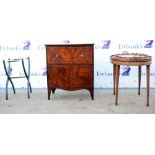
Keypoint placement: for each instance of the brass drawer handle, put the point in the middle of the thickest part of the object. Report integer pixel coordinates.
(56, 55)
(81, 55)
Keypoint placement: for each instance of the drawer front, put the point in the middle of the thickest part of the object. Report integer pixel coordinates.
(69, 54)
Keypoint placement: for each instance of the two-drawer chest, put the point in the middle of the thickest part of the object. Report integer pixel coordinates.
(70, 67)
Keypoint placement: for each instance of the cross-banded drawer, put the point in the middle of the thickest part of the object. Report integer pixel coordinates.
(65, 54)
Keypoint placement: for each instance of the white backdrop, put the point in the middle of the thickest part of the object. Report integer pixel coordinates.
(127, 24)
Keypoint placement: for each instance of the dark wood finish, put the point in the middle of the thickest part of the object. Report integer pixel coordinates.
(131, 59)
(70, 67)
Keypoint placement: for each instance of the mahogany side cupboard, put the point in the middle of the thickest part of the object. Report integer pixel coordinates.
(70, 67)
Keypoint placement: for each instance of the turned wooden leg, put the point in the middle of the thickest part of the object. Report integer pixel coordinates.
(139, 79)
(148, 82)
(114, 82)
(117, 83)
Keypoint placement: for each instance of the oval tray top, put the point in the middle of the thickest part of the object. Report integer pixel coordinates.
(131, 57)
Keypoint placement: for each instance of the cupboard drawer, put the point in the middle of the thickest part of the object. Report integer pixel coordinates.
(81, 55)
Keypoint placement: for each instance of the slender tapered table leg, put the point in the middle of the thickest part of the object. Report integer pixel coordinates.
(114, 79)
(139, 79)
(117, 83)
(148, 82)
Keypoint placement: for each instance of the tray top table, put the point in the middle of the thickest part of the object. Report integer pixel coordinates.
(131, 59)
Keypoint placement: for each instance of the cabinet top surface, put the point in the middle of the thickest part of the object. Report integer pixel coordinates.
(69, 44)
